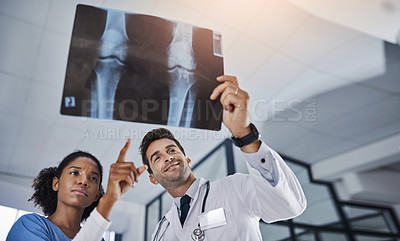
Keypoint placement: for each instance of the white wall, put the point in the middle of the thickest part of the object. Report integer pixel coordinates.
(15, 193)
(128, 218)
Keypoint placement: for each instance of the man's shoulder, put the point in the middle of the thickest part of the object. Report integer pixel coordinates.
(231, 179)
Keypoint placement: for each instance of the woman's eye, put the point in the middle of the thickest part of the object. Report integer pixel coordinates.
(93, 179)
(156, 159)
(172, 150)
(74, 173)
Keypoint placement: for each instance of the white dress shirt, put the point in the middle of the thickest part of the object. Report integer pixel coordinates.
(270, 191)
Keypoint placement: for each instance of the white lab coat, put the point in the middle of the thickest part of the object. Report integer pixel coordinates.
(245, 198)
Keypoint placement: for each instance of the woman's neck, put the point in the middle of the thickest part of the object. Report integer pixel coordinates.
(68, 219)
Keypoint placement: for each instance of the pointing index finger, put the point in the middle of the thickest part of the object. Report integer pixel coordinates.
(122, 154)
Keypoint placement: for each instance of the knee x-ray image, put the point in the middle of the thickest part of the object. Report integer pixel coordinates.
(142, 68)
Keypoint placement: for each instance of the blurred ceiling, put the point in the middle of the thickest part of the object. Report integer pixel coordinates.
(319, 89)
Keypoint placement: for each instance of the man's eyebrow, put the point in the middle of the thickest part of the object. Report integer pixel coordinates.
(169, 146)
(156, 152)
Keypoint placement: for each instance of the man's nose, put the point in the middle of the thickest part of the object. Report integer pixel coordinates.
(169, 158)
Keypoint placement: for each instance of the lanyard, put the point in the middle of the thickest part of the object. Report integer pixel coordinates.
(197, 233)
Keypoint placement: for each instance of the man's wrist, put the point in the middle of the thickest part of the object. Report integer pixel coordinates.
(242, 133)
(244, 139)
(252, 147)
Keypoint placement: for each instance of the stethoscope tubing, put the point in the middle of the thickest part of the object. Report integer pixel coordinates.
(164, 218)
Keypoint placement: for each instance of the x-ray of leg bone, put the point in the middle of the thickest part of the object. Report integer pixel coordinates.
(142, 68)
(109, 65)
(182, 65)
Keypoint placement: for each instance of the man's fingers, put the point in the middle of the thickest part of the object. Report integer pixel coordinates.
(228, 102)
(227, 78)
(122, 154)
(228, 81)
(229, 90)
(218, 90)
(234, 98)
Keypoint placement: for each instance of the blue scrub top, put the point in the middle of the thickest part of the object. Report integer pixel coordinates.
(34, 227)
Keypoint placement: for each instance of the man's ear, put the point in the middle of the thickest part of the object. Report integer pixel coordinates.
(55, 184)
(189, 161)
(153, 179)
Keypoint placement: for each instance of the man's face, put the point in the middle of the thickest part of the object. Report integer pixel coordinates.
(169, 165)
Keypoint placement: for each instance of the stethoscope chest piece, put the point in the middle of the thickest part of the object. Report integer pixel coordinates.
(198, 234)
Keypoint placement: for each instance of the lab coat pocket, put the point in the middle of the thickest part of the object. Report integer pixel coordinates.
(229, 231)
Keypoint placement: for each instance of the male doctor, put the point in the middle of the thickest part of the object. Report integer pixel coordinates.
(229, 208)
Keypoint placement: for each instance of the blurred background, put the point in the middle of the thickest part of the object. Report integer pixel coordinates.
(324, 82)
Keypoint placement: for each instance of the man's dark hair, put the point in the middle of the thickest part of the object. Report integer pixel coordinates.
(154, 135)
(46, 198)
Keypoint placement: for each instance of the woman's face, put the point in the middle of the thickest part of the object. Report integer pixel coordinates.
(79, 183)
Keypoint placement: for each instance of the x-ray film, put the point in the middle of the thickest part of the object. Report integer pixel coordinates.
(142, 68)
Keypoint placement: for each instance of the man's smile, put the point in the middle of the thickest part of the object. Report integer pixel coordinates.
(172, 165)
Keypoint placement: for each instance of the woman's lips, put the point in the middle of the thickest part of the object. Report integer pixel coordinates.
(80, 192)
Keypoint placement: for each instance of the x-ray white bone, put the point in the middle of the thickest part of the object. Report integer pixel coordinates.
(109, 65)
(182, 65)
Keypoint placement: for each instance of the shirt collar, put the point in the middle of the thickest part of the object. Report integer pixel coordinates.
(191, 192)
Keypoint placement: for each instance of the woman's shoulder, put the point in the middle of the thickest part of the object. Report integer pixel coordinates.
(29, 225)
(32, 217)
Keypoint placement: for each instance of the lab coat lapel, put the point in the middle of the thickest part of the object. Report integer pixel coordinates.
(193, 206)
(173, 217)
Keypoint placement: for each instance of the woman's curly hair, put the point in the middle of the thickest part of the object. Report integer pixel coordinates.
(46, 198)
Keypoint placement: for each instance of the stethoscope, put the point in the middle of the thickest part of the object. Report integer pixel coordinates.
(197, 234)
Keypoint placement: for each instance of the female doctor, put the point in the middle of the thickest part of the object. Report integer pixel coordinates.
(72, 193)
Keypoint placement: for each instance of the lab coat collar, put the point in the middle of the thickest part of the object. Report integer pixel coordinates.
(173, 217)
(191, 192)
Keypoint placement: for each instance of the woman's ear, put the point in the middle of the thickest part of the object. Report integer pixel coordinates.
(153, 179)
(55, 184)
(100, 193)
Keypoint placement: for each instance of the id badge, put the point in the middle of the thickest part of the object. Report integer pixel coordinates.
(212, 219)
